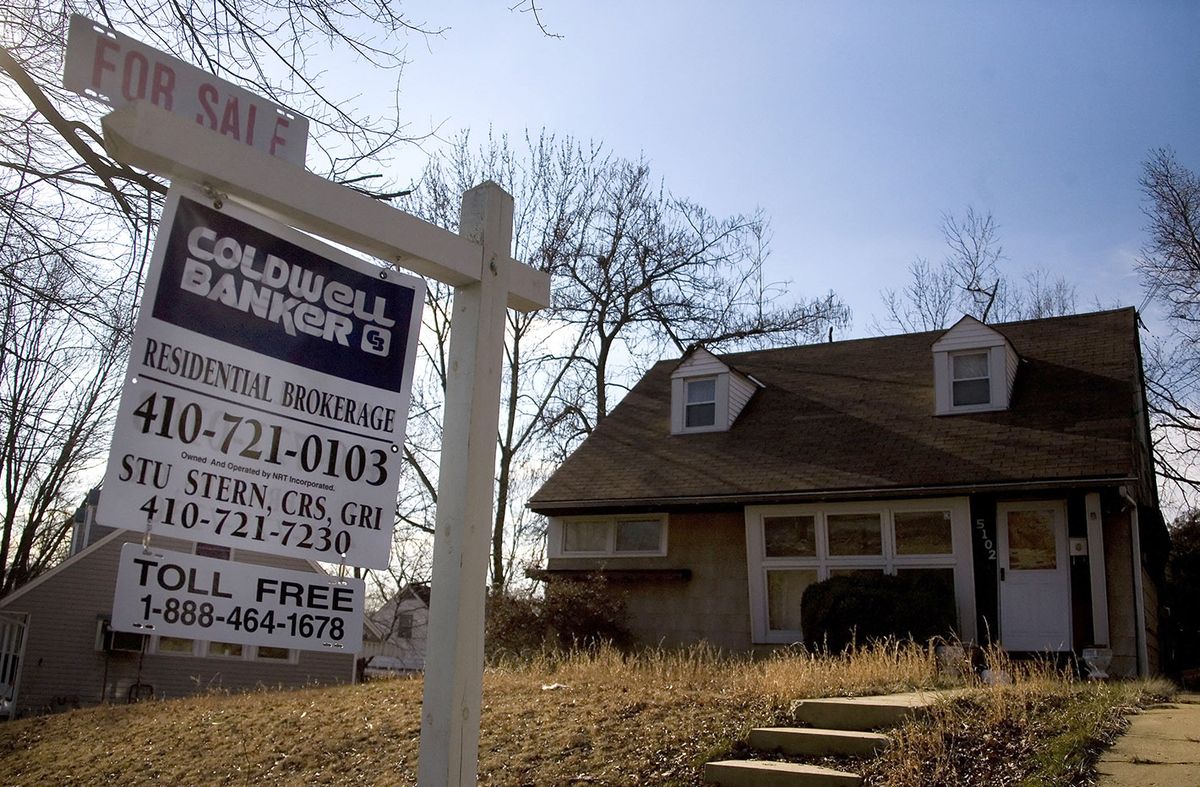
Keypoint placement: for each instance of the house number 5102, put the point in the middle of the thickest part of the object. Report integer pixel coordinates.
(981, 526)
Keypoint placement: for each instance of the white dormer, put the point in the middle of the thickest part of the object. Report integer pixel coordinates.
(706, 394)
(974, 368)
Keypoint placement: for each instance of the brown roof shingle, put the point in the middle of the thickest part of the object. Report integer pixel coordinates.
(858, 415)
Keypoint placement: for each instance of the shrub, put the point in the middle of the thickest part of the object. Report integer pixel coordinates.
(865, 607)
(573, 613)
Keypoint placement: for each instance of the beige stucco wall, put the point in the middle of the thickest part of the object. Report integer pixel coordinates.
(62, 667)
(712, 606)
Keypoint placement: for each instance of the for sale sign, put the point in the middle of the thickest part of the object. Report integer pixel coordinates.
(116, 69)
(267, 392)
(174, 594)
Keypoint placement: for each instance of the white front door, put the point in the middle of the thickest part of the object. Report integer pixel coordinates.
(1035, 579)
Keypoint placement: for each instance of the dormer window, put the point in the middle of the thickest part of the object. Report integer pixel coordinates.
(701, 408)
(972, 380)
(974, 368)
(707, 395)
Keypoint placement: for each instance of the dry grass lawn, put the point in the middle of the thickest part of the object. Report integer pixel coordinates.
(579, 719)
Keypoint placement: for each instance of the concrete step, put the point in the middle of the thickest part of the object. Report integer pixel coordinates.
(861, 713)
(759, 773)
(817, 742)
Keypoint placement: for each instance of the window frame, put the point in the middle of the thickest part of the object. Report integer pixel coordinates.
(720, 402)
(889, 561)
(688, 404)
(402, 625)
(986, 354)
(200, 650)
(559, 536)
(1001, 368)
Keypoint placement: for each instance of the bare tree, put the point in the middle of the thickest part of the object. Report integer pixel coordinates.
(77, 225)
(636, 272)
(654, 273)
(1169, 266)
(61, 365)
(926, 303)
(970, 280)
(552, 183)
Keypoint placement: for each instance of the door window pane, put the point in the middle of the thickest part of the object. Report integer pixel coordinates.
(923, 533)
(854, 534)
(784, 590)
(1031, 541)
(790, 536)
(639, 535)
(589, 535)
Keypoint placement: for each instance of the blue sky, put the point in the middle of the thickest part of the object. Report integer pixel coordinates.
(854, 126)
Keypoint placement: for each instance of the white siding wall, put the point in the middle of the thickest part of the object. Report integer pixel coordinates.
(700, 363)
(409, 650)
(1011, 362)
(740, 391)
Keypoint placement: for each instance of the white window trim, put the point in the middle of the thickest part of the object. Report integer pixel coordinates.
(997, 380)
(557, 536)
(959, 559)
(200, 651)
(679, 404)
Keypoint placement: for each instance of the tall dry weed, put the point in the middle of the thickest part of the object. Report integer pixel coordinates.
(786, 674)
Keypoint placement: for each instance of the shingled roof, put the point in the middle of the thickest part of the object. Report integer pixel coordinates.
(856, 418)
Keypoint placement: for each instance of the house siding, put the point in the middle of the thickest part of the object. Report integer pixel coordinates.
(712, 606)
(1150, 599)
(740, 391)
(701, 364)
(1012, 361)
(63, 668)
(1121, 613)
(410, 651)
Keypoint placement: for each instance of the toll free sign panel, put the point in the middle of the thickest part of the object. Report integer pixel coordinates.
(267, 392)
(173, 594)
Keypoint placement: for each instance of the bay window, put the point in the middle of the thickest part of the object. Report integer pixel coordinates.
(792, 547)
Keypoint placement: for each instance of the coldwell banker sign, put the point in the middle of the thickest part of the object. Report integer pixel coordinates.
(267, 391)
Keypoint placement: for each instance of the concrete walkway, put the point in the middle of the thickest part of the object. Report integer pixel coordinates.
(1160, 749)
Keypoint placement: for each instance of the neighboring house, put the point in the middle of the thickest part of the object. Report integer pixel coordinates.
(404, 622)
(62, 653)
(1011, 461)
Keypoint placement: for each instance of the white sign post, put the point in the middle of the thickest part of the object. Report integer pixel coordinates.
(479, 266)
(449, 746)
